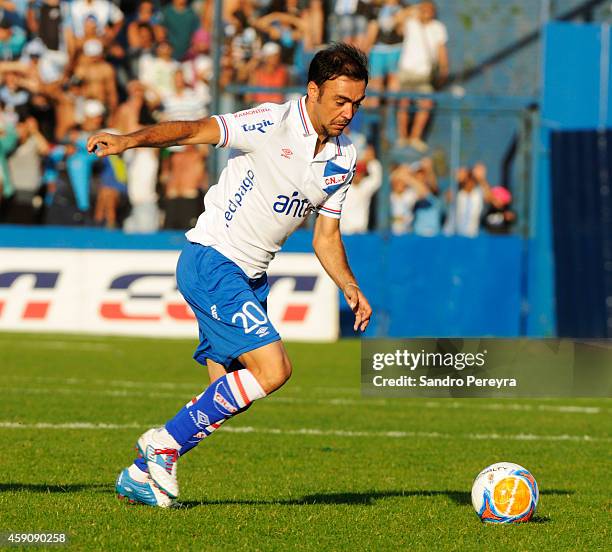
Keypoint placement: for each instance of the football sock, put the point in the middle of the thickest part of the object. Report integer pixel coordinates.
(224, 398)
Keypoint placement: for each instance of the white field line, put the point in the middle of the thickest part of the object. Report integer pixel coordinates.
(335, 402)
(63, 345)
(332, 432)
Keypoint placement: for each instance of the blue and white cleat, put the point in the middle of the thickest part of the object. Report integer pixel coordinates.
(136, 492)
(160, 459)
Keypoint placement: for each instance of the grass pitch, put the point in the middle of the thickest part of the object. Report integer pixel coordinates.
(314, 467)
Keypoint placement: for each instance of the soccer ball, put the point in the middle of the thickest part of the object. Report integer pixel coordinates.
(505, 493)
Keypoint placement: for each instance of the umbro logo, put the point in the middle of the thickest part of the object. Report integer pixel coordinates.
(286, 153)
(203, 420)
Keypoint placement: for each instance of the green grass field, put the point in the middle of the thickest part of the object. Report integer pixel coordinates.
(314, 467)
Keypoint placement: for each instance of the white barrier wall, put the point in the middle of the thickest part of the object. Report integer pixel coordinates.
(134, 293)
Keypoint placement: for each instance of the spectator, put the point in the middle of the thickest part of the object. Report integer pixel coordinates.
(467, 211)
(68, 177)
(143, 48)
(423, 64)
(181, 23)
(112, 187)
(14, 11)
(157, 72)
(386, 46)
(141, 163)
(499, 218)
(97, 75)
(45, 21)
(198, 67)
(26, 171)
(270, 72)
(13, 94)
(107, 16)
(90, 32)
(185, 104)
(284, 28)
(12, 40)
(8, 141)
(349, 22)
(428, 206)
(70, 106)
(402, 198)
(184, 186)
(367, 181)
(145, 17)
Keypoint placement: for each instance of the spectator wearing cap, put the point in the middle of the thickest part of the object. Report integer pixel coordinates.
(423, 64)
(93, 117)
(12, 40)
(367, 181)
(181, 23)
(269, 72)
(98, 75)
(157, 71)
(499, 217)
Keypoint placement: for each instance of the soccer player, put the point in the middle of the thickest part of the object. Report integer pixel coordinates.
(285, 162)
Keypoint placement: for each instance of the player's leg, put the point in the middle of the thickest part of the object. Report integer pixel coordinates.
(231, 313)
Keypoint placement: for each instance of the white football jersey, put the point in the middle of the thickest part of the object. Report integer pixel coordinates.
(271, 183)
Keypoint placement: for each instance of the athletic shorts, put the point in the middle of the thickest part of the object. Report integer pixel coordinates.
(384, 60)
(231, 308)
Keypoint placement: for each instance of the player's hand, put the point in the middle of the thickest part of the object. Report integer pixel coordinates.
(104, 144)
(359, 305)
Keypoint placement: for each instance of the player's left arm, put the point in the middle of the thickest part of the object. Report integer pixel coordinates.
(329, 249)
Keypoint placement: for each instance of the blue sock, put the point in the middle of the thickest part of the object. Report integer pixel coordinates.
(221, 400)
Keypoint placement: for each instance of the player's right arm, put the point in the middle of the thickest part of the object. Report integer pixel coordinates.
(171, 133)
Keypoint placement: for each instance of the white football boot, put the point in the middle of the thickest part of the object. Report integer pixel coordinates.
(160, 452)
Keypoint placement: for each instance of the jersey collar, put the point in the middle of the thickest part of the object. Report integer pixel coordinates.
(306, 129)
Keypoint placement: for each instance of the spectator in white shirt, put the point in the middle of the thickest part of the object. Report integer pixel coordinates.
(185, 104)
(402, 198)
(367, 181)
(474, 192)
(423, 64)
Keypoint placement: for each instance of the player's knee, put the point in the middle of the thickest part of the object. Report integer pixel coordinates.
(272, 375)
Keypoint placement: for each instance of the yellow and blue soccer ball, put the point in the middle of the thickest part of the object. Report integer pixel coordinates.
(505, 493)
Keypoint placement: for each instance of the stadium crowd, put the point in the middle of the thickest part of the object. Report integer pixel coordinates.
(71, 68)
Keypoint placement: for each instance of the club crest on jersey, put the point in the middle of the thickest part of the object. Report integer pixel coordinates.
(333, 177)
(260, 126)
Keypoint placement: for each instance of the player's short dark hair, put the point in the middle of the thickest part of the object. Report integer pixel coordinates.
(338, 60)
